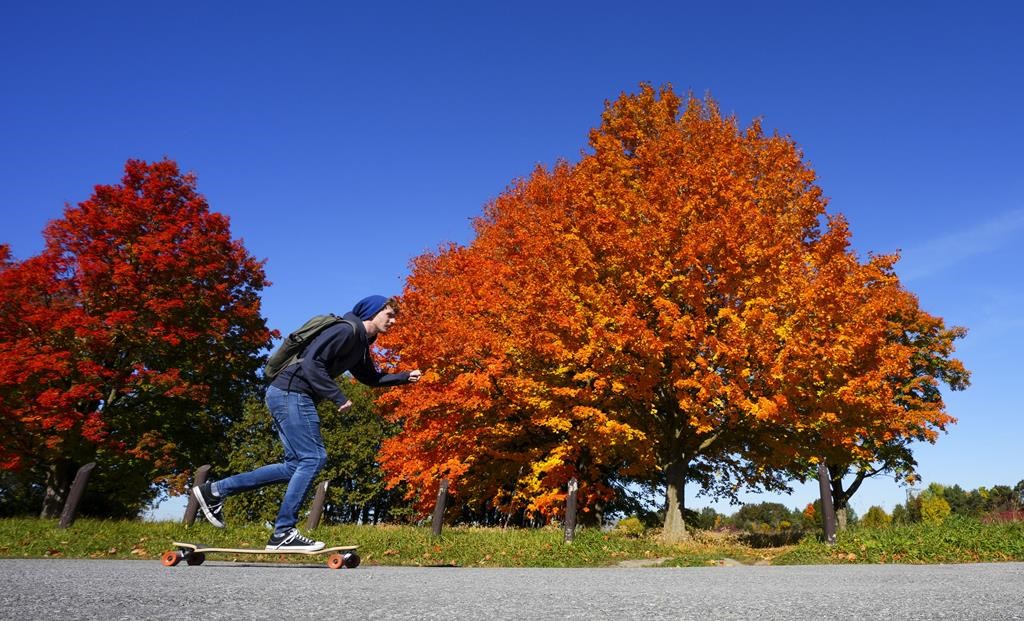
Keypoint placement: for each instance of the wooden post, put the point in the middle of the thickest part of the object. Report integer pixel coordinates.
(570, 511)
(442, 500)
(317, 510)
(193, 504)
(67, 516)
(828, 512)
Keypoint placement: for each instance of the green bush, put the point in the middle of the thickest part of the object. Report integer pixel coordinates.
(876, 517)
(630, 527)
(934, 509)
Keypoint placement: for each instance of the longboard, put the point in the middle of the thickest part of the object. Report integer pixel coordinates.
(195, 554)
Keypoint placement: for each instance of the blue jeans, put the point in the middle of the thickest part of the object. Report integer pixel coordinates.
(298, 426)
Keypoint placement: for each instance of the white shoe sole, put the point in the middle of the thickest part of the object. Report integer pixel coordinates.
(198, 494)
(271, 548)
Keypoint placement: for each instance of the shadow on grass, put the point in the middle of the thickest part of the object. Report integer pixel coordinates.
(774, 540)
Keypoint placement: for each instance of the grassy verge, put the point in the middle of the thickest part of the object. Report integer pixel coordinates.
(957, 540)
(379, 545)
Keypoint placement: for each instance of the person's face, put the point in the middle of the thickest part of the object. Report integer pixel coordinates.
(384, 319)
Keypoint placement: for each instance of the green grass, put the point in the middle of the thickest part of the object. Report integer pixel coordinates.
(956, 541)
(378, 545)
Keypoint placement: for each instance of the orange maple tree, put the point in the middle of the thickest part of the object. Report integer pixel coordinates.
(622, 319)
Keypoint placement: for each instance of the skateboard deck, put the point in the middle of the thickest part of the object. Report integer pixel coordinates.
(195, 554)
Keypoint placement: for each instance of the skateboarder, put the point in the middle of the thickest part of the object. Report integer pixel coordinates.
(292, 399)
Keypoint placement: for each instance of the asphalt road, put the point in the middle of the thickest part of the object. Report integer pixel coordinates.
(82, 589)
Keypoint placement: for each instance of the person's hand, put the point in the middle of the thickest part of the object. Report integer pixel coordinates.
(345, 406)
(414, 376)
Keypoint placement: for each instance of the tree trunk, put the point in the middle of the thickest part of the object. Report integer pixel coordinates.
(841, 497)
(58, 484)
(675, 523)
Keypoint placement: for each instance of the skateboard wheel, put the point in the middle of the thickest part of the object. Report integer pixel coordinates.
(352, 560)
(196, 558)
(335, 561)
(170, 558)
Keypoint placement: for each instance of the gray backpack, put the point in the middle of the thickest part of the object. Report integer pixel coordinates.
(294, 344)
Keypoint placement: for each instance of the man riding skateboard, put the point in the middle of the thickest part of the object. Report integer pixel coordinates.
(292, 398)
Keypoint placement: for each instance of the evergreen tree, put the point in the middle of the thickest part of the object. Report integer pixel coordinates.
(356, 490)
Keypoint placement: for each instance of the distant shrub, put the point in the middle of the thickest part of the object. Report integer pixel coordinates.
(630, 527)
(876, 517)
(934, 509)
(1003, 516)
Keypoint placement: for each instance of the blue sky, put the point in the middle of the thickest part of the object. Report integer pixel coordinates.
(343, 141)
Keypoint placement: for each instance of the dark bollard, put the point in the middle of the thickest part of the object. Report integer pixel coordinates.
(442, 500)
(570, 511)
(828, 512)
(67, 516)
(317, 510)
(193, 504)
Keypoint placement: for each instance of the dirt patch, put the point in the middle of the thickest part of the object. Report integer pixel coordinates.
(644, 562)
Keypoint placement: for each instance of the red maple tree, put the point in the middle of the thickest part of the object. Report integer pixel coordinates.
(131, 338)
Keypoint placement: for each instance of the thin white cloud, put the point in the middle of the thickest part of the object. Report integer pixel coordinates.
(939, 254)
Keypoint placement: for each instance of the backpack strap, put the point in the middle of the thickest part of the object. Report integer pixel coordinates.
(299, 357)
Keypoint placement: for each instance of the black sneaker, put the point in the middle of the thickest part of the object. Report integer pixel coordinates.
(292, 541)
(212, 506)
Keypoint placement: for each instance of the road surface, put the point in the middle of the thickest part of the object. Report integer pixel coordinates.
(109, 590)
